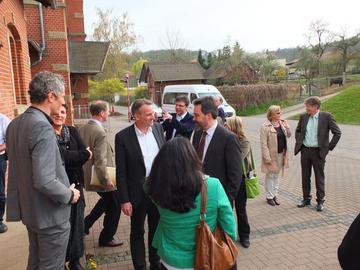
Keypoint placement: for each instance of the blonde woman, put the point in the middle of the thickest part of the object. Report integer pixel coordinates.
(273, 139)
(235, 125)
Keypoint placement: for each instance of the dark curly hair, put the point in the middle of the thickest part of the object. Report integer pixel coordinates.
(175, 179)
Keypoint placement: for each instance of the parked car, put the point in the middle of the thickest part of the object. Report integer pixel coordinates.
(192, 91)
(158, 112)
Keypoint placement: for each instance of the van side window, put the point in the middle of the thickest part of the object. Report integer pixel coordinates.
(193, 97)
(169, 98)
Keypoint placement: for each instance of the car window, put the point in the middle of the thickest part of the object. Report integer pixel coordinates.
(193, 97)
(169, 98)
(212, 94)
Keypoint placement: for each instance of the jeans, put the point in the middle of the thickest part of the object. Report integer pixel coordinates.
(2, 187)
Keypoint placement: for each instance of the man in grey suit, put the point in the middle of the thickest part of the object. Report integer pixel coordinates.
(312, 139)
(39, 193)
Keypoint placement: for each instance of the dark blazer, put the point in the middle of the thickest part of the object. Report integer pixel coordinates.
(326, 123)
(223, 159)
(184, 128)
(348, 251)
(130, 166)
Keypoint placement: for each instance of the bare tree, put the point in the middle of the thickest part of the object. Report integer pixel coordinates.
(346, 46)
(174, 43)
(319, 38)
(119, 32)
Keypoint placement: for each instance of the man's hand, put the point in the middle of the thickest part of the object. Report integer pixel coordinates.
(167, 116)
(127, 208)
(75, 192)
(91, 154)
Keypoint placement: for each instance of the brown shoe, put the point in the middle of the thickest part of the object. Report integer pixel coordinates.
(276, 201)
(271, 202)
(112, 243)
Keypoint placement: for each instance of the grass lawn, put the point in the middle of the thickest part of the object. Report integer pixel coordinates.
(262, 108)
(345, 107)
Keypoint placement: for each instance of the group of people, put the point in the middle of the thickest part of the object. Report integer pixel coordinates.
(160, 169)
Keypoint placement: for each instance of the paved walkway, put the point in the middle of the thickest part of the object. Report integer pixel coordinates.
(282, 237)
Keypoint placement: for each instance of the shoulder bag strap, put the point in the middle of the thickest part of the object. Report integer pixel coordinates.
(203, 200)
(252, 162)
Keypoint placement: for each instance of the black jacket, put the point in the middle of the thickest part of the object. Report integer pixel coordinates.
(184, 127)
(75, 155)
(130, 167)
(223, 159)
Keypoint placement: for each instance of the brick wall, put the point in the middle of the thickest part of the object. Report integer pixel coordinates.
(75, 20)
(13, 56)
(56, 56)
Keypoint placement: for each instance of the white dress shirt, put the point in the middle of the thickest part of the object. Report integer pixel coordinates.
(4, 122)
(209, 135)
(149, 147)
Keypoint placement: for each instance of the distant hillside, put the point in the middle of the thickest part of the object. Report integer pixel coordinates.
(288, 53)
(165, 55)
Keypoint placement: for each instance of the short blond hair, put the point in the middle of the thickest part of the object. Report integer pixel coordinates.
(273, 109)
(235, 124)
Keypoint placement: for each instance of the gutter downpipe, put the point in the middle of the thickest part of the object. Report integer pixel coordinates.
(42, 32)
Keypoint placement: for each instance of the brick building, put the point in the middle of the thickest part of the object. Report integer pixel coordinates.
(159, 75)
(33, 38)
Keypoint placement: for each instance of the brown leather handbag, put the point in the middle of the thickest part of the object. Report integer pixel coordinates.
(213, 251)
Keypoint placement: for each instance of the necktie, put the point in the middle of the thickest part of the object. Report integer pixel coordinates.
(200, 148)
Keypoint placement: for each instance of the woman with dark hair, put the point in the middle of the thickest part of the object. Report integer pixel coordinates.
(175, 185)
(75, 154)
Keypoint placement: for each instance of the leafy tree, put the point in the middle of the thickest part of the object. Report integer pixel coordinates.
(119, 32)
(137, 66)
(201, 59)
(106, 89)
(210, 60)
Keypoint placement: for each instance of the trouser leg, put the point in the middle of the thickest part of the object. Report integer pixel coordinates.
(137, 245)
(319, 165)
(240, 208)
(112, 216)
(306, 164)
(2, 187)
(153, 220)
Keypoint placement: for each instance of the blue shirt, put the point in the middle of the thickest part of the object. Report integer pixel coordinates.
(4, 122)
(311, 135)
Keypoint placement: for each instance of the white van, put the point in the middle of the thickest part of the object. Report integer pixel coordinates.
(192, 91)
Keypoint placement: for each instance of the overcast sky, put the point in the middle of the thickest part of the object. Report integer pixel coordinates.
(209, 24)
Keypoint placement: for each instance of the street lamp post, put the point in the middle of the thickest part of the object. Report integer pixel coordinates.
(128, 96)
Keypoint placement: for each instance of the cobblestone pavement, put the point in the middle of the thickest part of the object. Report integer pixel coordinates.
(282, 237)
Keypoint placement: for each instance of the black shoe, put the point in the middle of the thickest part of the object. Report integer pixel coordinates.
(320, 207)
(304, 203)
(3, 227)
(75, 265)
(271, 202)
(276, 201)
(245, 242)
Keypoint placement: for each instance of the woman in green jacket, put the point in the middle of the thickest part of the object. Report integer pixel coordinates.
(174, 185)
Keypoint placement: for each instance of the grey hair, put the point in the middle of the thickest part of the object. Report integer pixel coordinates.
(43, 83)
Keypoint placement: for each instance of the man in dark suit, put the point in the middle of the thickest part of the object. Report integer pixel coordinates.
(218, 148)
(312, 139)
(135, 149)
(180, 123)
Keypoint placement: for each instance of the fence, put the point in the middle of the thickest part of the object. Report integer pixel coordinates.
(81, 112)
